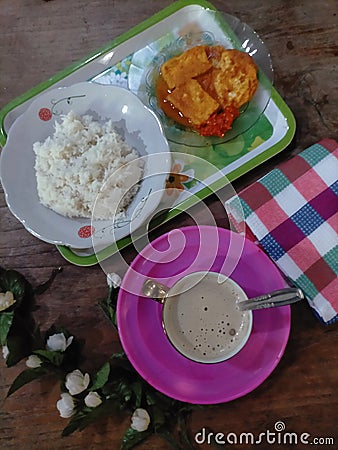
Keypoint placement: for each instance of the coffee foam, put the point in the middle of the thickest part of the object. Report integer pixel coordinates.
(202, 319)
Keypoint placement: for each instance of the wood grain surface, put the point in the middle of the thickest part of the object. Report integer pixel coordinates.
(39, 38)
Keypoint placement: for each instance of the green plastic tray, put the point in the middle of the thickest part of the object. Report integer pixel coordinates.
(111, 64)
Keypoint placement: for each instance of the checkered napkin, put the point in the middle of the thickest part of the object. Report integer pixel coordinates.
(293, 214)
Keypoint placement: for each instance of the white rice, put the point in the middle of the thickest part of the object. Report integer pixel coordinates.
(79, 159)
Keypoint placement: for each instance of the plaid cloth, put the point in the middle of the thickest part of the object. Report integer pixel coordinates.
(293, 214)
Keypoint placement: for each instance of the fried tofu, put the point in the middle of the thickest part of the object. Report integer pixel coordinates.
(235, 80)
(206, 79)
(189, 64)
(193, 102)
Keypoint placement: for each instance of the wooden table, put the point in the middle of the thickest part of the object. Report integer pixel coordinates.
(39, 38)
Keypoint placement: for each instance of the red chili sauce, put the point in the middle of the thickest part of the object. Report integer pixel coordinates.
(219, 123)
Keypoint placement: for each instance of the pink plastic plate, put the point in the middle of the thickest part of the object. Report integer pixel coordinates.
(167, 259)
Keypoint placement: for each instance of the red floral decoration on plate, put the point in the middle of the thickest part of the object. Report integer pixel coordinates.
(86, 231)
(45, 114)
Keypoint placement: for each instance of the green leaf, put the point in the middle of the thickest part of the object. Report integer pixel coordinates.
(157, 416)
(55, 358)
(11, 280)
(73, 356)
(132, 438)
(123, 389)
(120, 361)
(80, 420)
(137, 388)
(151, 399)
(108, 305)
(182, 419)
(26, 377)
(167, 436)
(86, 416)
(6, 320)
(46, 285)
(38, 340)
(19, 347)
(101, 377)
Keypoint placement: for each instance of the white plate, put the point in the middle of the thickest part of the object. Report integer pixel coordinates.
(141, 130)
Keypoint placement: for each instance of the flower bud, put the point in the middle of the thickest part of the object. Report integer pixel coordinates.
(6, 300)
(58, 342)
(5, 352)
(92, 400)
(113, 280)
(140, 420)
(66, 405)
(33, 361)
(76, 382)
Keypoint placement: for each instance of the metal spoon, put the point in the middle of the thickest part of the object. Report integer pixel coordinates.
(273, 299)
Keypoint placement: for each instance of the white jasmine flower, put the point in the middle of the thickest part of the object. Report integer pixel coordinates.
(33, 361)
(5, 352)
(6, 300)
(140, 420)
(66, 405)
(113, 280)
(76, 382)
(58, 342)
(92, 400)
